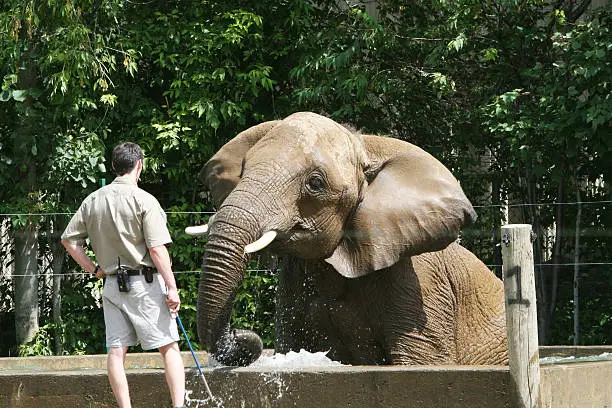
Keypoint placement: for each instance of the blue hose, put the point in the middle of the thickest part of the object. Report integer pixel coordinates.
(178, 320)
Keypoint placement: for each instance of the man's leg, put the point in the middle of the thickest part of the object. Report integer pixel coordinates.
(116, 376)
(175, 373)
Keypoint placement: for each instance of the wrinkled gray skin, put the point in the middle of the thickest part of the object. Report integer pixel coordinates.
(366, 233)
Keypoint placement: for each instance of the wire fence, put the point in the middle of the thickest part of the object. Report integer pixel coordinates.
(46, 214)
(209, 213)
(213, 212)
(270, 270)
(89, 274)
(558, 273)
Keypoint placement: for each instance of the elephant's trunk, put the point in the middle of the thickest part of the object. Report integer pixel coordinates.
(222, 272)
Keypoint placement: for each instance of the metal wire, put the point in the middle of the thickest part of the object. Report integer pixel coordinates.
(72, 213)
(89, 274)
(268, 270)
(7, 276)
(564, 264)
(213, 212)
(543, 204)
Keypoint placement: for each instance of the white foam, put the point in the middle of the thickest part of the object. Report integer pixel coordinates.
(574, 359)
(296, 360)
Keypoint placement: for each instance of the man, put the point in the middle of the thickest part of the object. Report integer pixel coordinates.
(127, 230)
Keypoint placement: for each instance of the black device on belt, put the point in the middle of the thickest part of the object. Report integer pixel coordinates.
(123, 275)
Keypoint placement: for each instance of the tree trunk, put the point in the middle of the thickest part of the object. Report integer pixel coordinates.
(577, 270)
(26, 284)
(57, 308)
(557, 259)
(497, 223)
(542, 286)
(26, 268)
(59, 254)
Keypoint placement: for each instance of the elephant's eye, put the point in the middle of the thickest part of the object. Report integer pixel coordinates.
(315, 183)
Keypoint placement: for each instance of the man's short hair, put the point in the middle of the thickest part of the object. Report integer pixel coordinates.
(125, 157)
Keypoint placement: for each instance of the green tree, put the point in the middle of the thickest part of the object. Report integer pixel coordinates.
(553, 134)
(56, 63)
(513, 96)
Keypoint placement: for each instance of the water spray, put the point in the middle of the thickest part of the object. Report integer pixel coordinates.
(178, 320)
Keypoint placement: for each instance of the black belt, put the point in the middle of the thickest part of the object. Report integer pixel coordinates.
(143, 271)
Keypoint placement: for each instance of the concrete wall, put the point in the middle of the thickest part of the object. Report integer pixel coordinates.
(353, 387)
(80, 381)
(576, 385)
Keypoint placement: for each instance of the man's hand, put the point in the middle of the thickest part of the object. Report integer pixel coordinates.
(173, 301)
(161, 259)
(99, 273)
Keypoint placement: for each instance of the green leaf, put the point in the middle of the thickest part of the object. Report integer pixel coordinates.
(489, 54)
(5, 95)
(458, 42)
(20, 95)
(109, 99)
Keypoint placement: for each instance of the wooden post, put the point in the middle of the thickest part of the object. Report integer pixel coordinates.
(521, 316)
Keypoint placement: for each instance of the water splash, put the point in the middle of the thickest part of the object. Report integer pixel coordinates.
(273, 379)
(204, 402)
(573, 359)
(296, 360)
(190, 402)
(275, 362)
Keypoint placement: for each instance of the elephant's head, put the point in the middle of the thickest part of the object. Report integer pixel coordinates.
(308, 187)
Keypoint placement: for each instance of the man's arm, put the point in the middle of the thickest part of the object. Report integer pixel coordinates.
(77, 252)
(161, 259)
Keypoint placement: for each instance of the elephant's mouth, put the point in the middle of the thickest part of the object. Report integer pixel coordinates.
(306, 242)
(303, 240)
(290, 242)
(306, 225)
(302, 231)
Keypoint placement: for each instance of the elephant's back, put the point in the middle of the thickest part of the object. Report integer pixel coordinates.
(459, 265)
(480, 329)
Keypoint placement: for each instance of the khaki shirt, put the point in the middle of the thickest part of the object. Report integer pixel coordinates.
(121, 220)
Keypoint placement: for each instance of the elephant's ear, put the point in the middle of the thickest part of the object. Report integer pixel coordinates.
(223, 171)
(412, 204)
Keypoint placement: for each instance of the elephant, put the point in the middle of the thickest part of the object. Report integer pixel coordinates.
(365, 228)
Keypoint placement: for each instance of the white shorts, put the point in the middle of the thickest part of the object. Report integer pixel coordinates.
(138, 315)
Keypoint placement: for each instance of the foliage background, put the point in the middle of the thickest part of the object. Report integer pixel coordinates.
(514, 96)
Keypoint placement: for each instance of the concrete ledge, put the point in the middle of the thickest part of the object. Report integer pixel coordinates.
(154, 360)
(244, 387)
(76, 389)
(92, 362)
(361, 387)
(81, 381)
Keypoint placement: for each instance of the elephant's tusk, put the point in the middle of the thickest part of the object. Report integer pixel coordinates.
(200, 229)
(197, 230)
(261, 243)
